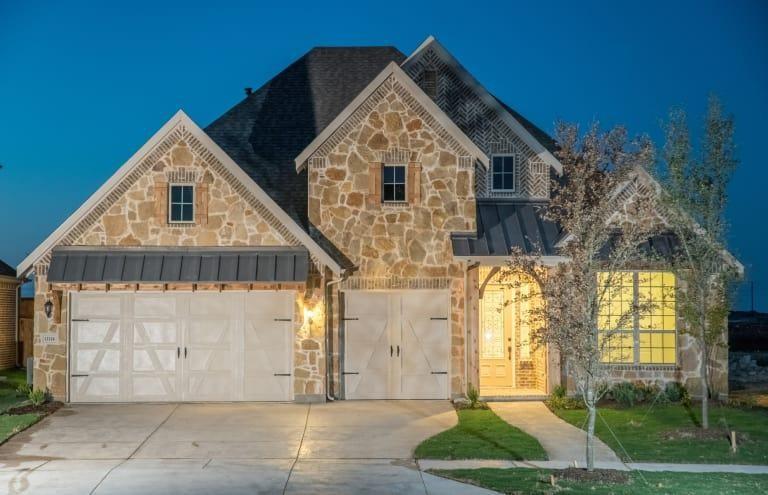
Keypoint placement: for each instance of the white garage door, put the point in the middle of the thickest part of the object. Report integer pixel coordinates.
(396, 344)
(181, 347)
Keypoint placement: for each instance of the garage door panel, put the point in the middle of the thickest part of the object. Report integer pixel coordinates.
(133, 347)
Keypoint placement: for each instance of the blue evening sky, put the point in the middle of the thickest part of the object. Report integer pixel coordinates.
(83, 85)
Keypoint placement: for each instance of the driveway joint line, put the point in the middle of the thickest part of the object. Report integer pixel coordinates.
(298, 452)
(175, 407)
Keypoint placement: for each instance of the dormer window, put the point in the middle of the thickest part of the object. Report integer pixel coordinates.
(393, 184)
(503, 173)
(181, 208)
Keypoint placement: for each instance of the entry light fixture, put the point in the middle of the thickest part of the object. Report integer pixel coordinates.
(48, 307)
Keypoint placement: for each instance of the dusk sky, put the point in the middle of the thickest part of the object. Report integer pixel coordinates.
(83, 86)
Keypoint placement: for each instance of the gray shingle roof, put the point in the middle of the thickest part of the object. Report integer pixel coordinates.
(503, 224)
(6, 270)
(161, 265)
(272, 126)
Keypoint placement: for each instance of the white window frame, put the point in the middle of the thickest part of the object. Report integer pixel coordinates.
(514, 172)
(170, 202)
(405, 183)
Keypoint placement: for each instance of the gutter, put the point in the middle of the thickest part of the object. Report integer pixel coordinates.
(328, 335)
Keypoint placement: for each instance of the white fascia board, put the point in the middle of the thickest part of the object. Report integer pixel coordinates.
(178, 119)
(502, 260)
(392, 69)
(541, 152)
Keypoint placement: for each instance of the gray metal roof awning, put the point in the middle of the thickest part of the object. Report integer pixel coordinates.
(503, 224)
(173, 265)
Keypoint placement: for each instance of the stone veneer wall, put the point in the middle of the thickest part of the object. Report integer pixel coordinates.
(482, 124)
(403, 245)
(127, 217)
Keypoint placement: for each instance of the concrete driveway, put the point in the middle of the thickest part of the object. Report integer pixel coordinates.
(342, 447)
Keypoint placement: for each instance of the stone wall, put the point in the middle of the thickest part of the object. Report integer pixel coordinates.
(405, 245)
(129, 217)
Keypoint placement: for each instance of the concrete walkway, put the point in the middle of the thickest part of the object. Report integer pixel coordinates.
(634, 466)
(562, 441)
(195, 449)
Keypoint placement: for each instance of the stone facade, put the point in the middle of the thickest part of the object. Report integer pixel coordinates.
(129, 217)
(482, 123)
(405, 245)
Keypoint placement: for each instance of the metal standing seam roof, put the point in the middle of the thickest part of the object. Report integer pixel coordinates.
(6, 270)
(503, 224)
(186, 265)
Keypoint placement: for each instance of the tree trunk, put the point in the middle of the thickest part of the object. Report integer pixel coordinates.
(592, 411)
(704, 389)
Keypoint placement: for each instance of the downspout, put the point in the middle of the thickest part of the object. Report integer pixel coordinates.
(328, 336)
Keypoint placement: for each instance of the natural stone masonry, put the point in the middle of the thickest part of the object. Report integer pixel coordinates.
(127, 217)
(403, 245)
(482, 124)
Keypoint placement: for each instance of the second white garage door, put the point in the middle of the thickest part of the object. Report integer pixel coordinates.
(397, 344)
(181, 347)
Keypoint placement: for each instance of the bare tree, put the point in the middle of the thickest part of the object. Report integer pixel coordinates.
(606, 212)
(694, 195)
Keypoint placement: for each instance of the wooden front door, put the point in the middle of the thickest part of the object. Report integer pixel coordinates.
(496, 344)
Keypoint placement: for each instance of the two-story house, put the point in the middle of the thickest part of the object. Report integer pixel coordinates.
(337, 233)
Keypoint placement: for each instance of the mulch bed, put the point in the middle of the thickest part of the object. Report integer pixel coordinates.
(598, 475)
(45, 409)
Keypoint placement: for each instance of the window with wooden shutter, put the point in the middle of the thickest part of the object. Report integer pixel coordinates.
(374, 184)
(201, 204)
(161, 202)
(414, 183)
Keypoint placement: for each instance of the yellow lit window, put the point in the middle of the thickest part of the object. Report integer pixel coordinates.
(648, 337)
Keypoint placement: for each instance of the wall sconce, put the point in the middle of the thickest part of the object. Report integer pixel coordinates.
(308, 315)
(48, 307)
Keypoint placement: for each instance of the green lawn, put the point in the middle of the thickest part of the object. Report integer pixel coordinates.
(645, 433)
(10, 425)
(481, 434)
(8, 395)
(538, 481)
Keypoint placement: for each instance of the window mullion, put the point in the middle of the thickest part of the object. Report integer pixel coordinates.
(635, 318)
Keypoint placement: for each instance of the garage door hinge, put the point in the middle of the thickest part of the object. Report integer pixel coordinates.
(80, 319)
(282, 374)
(438, 318)
(350, 319)
(350, 373)
(78, 376)
(283, 319)
(439, 372)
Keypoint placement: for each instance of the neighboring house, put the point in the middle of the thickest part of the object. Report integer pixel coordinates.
(336, 233)
(9, 297)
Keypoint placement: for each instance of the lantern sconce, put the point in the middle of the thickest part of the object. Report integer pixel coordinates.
(48, 307)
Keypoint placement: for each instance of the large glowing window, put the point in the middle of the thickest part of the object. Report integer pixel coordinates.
(648, 337)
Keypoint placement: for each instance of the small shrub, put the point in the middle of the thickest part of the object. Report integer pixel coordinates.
(473, 395)
(650, 392)
(742, 401)
(558, 400)
(24, 389)
(676, 392)
(625, 394)
(38, 397)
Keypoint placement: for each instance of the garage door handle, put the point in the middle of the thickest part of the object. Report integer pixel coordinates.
(439, 372)
(398, 351)
(282, 374)
(391, 350)
(185, 353)
(178, 352)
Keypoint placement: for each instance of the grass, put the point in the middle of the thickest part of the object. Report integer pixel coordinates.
(481, 434)
(538, 481)
(8, 395)
(643, 432)
(12, 424)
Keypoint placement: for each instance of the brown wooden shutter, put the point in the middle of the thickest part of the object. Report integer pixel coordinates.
(201, 204)
(374, 184)
(414, 183)
(161, 202)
